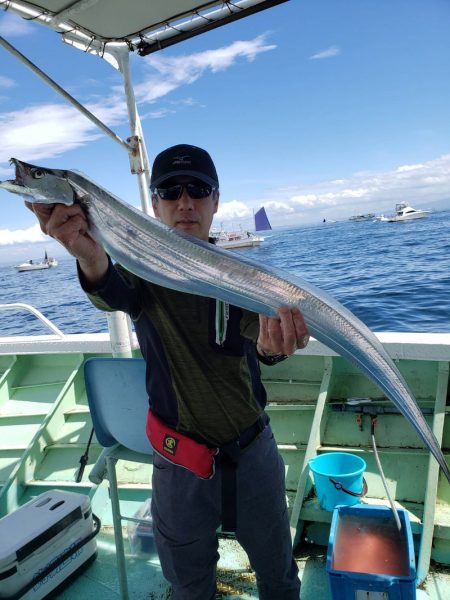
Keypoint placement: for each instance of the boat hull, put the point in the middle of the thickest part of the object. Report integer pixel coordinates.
(36, 266)
(245, 242)
(410, 217)
(28, 267)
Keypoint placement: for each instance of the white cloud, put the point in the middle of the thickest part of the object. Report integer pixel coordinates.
(355, 193)
(14, 26)
(48, 130)
(187, 102)
(328, 53)
(234, 209)
(42, 132)
(341, 198)
(6, 82)
(236, 214)
(21, 236)
(157, 114)
(306, 200)
(175, 71)
(374, 192)
(278, 207)
(405, 168)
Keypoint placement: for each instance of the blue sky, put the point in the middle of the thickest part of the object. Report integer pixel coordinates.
(315, 109)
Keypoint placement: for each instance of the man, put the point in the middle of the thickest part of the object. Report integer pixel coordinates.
(222, 465)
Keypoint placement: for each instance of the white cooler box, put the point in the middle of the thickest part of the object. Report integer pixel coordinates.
(44, 543)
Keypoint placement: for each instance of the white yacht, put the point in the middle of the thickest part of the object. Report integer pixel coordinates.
(404, 212)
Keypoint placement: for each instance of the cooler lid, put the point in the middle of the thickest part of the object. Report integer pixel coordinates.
(38, 521)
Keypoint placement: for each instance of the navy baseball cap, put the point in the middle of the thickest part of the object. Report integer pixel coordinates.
(183, 159)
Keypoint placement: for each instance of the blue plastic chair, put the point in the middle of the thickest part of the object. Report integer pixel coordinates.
(118, 402)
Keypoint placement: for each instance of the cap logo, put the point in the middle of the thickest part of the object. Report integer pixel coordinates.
(182, 160)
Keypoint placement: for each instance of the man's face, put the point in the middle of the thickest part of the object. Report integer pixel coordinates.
(193, 216)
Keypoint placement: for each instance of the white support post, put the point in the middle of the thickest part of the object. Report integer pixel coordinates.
(138, 157)
(429, 506)
(120, 334)
(314, 442)
(119, 323)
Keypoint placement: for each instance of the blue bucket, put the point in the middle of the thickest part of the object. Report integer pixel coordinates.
(338, 477)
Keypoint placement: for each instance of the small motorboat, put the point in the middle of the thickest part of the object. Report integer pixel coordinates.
(31, 265)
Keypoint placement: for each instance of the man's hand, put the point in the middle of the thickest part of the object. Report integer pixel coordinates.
(69, 225)
(283, 334)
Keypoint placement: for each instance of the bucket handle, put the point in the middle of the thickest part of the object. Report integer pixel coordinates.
(340, 486)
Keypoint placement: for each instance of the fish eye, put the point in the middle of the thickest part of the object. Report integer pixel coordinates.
(37, 173)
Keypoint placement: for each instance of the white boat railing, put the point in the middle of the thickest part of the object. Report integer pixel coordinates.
(120, 341)
(36, 313)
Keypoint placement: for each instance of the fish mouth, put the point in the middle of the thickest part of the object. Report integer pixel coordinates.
(19, 172)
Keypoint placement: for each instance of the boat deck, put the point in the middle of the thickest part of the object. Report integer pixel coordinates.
(45, 425)
(235, 580)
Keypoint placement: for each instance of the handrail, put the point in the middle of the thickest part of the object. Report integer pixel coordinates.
(36, 313)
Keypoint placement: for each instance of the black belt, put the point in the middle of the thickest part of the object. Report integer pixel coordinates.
(229, 456)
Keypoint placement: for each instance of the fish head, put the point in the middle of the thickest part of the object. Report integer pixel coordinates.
(39, 184)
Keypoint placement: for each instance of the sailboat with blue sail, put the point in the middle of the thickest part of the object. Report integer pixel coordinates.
(243, 238)
(262, 222)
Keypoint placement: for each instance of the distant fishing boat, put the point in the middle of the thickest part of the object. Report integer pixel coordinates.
(363, 217)
(405, 212)
(30, 265)
(242, 238)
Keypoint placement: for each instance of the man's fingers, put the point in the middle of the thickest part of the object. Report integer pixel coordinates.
(302, 334)
(263, 327)
(284, 333)
(275, 330)
(294, 329)
(287, 331)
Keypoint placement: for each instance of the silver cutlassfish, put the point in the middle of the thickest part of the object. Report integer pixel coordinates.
(171, 259)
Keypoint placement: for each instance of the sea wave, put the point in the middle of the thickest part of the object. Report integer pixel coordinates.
(393, 276)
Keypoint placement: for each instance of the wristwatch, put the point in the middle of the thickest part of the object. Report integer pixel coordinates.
(268, 358)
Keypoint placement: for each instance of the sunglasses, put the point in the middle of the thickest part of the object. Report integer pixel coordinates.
(195, 191)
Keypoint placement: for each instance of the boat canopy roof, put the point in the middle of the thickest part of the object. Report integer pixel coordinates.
(142, 25)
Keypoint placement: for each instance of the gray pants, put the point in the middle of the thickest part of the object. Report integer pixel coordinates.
(186, 513)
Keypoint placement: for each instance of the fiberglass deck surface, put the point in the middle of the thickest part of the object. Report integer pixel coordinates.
(235, 579)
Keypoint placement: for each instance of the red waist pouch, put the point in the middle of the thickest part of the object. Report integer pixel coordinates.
(180, 449)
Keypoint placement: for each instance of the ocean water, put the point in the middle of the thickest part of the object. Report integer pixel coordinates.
(393, 276)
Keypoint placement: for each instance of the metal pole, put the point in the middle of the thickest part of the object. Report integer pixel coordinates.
(138, 158)
(65, 94)
(119, 334)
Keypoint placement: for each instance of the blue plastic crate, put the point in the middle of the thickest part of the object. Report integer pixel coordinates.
(367, 558)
